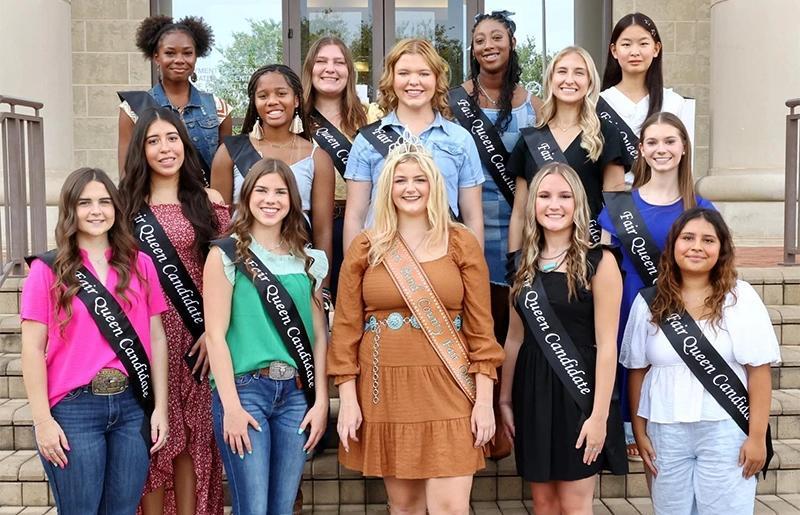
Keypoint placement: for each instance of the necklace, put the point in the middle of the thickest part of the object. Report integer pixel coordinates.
(490, 99)
(563, 129)
(549, 267)
(274, 247)
(281, 145)
(556, 256)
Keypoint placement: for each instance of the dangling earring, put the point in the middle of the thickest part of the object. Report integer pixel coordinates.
(193, 77)
(297, 123)
(256, 132)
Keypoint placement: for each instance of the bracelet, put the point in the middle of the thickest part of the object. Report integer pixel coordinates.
(35, 424)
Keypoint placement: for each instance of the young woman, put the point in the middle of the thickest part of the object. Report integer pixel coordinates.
(270, 397)
(404, 415)
(276, 126)
(329, 85)
(558, 376)
(96, 379)
(413, 91)
(664, 188)
(174, 47)
(633, 80)
(570, 132)
(702, 451)
(162, 187)
(493, 91)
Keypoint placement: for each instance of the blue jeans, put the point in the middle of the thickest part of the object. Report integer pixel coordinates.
(266, 481)
(108, 457)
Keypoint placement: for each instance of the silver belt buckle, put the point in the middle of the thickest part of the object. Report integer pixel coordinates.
(280, 371)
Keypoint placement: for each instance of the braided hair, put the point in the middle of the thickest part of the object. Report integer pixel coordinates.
(153, 29)
(513, 70)
(251, 115)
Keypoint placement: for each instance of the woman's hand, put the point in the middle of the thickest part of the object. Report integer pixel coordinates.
(349, 422)
(159, 429)
(317, 417)
(507, 415)
(234, 430)
(647, 453)
(52, 442)
(202, 364)
(752, 456)
(593, 433)
(482, 421)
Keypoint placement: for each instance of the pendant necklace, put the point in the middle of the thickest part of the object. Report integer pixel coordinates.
(490, 99)
(549, 267)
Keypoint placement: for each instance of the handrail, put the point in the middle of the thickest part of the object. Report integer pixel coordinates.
(24, 230)
(791, 237)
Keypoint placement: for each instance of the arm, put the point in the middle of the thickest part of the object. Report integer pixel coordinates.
(646, 451)
(517, 220)
(471, 207)
(355, 212)
(125, 128)
(613, 177)
(317, 415)
(753, 453)
(159, 424)
(516, 332)
(225, 128)
(607, 292)
(322, 206)
(222, 174)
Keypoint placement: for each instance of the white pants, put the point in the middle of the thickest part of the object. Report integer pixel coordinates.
(698, 469)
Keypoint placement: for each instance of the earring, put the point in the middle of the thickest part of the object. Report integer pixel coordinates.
(297, 123)
(257, 133)
(193, 77)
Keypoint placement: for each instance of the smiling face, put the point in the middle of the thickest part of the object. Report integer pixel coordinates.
(176, 56)
(555, 204)
(662, 148)
(329, 74)
(163, 148)
(275, 100)
(491, 45)
(414, 81)
(95, 211)
(635, 50)
(410, 189)
(270, 201)
(697, 247)
(570, 82)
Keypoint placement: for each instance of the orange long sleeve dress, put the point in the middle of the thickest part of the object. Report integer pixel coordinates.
(416, 419)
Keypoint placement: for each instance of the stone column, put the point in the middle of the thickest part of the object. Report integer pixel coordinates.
(755, 51)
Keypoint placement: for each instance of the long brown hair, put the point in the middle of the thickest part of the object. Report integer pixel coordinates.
(68, 258)
(352, 112)
(722, 276)
(642, 172)
(293, 228)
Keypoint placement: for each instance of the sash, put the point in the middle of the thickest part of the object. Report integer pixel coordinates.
(629, 139)
(632, 231)
(491, 150)
(419, 295)
(242, 152)
(280, 309)
(139, 101)
(381, 139)
(542, 146)
(117, 331)
(555, 343)
(713, 372)
(332, 141)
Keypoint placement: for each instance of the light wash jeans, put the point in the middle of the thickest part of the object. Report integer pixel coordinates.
(265, 482)
(698, 469)
(108, 457)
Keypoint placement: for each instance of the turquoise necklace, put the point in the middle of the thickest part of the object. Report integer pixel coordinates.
(549, 267)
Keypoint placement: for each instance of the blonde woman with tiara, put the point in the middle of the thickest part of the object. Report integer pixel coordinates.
(558, 376)
(415, 384)
(569, 131)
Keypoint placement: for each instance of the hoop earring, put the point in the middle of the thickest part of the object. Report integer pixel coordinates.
(297, 123)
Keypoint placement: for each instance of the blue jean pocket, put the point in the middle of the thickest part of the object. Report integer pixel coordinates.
(73, 394)
(244, 380)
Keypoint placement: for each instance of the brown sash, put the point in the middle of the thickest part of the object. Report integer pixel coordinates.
(425, 305)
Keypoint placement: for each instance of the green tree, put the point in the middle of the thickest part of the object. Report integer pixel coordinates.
(532, 63)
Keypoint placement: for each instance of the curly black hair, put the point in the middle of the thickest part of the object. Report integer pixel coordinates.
(513, 71)
(154, 28)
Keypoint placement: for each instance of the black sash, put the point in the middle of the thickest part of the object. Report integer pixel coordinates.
(633, 233)
(713, 372)
(243, 154)
(490, 146)
(139, 101)
(381, 139)
(629, 139)
(118, 332)
(556, 344)
(542, 146)
(332, 141)
(280, 308)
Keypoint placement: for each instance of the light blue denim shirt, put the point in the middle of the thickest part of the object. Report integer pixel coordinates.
(453, 151)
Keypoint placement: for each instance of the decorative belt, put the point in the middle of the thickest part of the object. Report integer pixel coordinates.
(109, 381)
(396, 320)
(278, 371)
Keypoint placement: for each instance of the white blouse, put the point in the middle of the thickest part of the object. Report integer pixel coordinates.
(670, 392)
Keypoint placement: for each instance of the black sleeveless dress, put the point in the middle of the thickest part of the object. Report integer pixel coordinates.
(546, 418)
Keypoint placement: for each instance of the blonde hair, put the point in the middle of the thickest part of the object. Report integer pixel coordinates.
(533, 234)
(387, 99)
(384, 228)
(589, 122)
